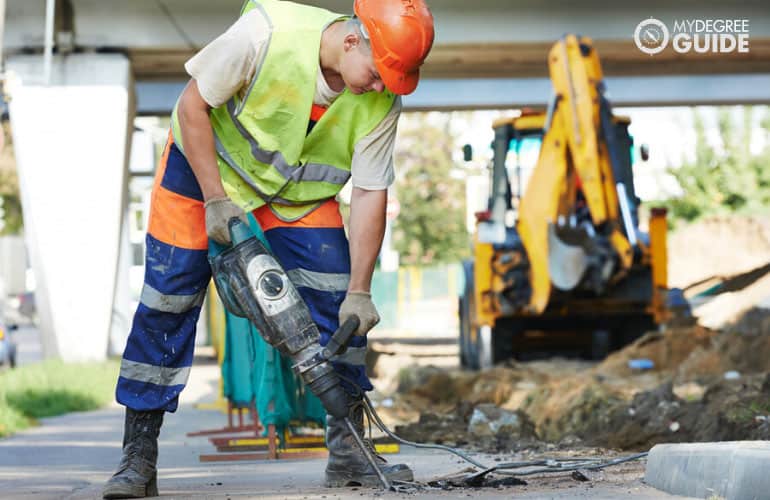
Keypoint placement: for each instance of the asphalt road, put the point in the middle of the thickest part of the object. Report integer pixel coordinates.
(28, 348)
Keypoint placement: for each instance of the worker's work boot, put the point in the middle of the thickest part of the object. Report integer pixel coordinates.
(137, 474)
(347, 464)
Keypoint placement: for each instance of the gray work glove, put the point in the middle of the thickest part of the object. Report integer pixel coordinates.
(360, 304)
(219, 211)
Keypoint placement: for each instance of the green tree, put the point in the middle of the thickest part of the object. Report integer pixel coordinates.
(9, 187)
(727, 177)
(429, 186)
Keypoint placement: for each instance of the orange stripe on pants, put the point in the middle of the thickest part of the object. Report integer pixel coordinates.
(326, 215)
(175, 219)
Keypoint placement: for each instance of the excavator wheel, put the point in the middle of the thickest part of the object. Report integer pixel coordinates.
(481, 347)
(631, 328)
(468, 353)
(496, 344)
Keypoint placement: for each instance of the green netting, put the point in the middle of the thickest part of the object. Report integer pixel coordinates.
(385, 295)
(254, 371)
(434, 282)
(399, 294)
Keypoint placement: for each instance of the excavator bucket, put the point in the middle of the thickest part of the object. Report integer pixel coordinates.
(566, 263)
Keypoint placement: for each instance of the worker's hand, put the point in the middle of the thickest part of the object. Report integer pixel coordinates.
(360, 304)
(219, 211)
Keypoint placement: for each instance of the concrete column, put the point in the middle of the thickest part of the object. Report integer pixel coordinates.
(71, 144)
(122, 312)
(13, 265)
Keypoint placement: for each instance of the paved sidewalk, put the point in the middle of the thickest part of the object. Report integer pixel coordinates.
(71, 456)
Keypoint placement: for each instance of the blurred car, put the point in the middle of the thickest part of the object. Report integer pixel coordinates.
(7, 345)
(23, 303)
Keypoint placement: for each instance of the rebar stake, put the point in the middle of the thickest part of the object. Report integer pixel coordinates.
(384, 480)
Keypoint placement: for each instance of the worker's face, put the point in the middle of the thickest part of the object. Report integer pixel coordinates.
(357, 67)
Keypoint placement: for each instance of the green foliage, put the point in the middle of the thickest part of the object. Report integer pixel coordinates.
(9, 188)
(431, 225)
(747, 411)
(724, 179)
(53, 388)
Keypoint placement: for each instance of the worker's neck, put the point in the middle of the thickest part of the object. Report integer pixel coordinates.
(330, 55)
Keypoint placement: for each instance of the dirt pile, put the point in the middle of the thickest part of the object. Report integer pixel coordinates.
(667, 350)
(449, 429)
(730, 410)
(717, 246)
(561, 408)
(744, 347)
(704, 385)
(566, 406)
(484, 427)
(725, 308)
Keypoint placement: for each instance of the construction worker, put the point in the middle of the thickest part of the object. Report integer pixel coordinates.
(281, 110)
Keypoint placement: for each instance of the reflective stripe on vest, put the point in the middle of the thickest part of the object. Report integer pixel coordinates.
(265, 153)
(318, 172)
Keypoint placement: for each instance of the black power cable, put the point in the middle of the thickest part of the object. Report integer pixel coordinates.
(542, 466)
(190, 44)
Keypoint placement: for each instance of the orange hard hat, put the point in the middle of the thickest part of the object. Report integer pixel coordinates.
(401, 35)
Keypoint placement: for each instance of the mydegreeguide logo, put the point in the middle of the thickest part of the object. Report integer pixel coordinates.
(722, 36)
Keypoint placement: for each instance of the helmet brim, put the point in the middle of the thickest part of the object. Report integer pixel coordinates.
(398, 82)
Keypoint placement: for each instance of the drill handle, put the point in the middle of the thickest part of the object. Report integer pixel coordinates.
(339, 341)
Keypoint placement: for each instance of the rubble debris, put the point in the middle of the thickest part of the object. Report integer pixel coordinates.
(727, 412)
(689, 391)
(504, 482)
(474, 480)
(449, 429)
(502, 429)
(488, 420)
(579, 476)
(641, 364)
(416, 377)
(684, 397)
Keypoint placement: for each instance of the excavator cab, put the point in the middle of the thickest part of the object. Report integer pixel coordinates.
(526, 138)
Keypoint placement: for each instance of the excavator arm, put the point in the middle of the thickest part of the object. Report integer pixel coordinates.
(575, 157)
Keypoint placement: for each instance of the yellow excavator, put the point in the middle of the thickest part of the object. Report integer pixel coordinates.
(559, 263)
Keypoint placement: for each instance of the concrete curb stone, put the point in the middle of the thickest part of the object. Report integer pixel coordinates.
(734, 470)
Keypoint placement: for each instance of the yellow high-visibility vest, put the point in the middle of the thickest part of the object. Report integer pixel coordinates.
(264, 152)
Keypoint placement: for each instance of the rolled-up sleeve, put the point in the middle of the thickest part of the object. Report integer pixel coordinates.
(227, 64)
(372, 165)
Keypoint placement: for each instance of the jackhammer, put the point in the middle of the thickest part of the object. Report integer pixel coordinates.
(253, 285)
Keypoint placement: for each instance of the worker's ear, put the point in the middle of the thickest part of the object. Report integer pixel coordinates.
(351, 41)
